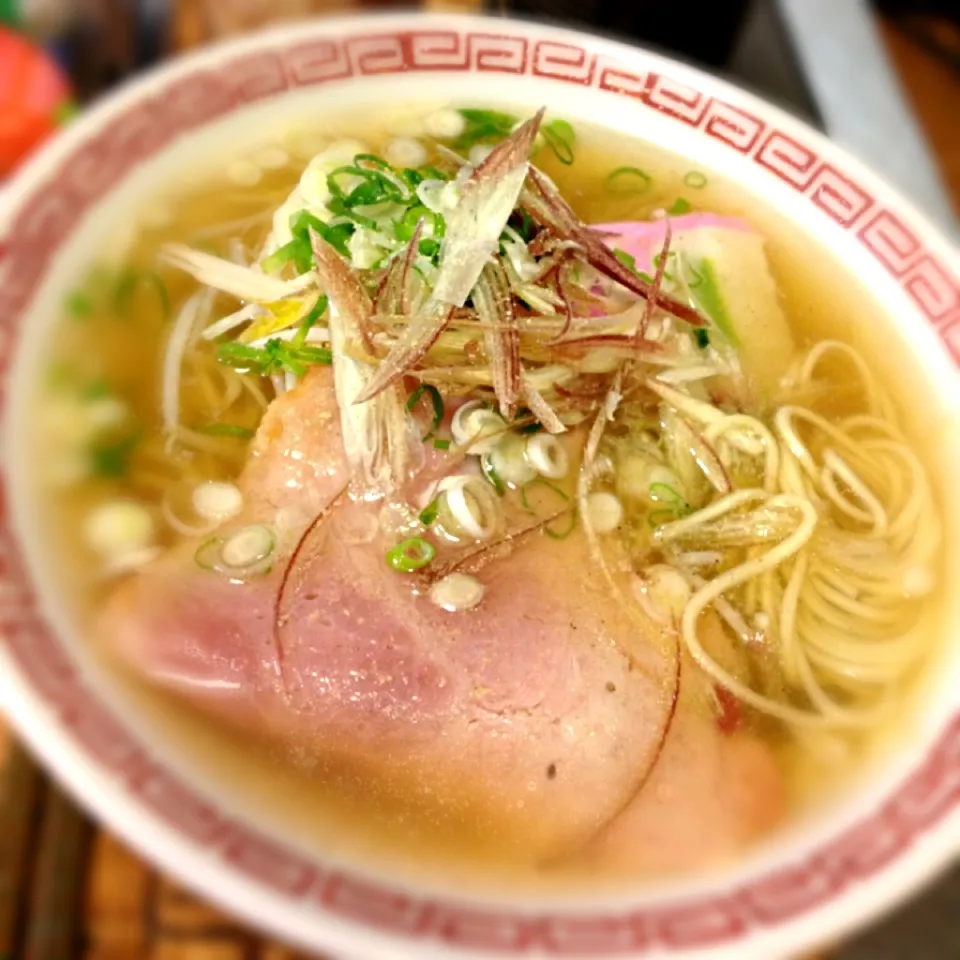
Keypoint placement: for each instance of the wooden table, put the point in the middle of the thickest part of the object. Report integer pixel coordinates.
(69, 890)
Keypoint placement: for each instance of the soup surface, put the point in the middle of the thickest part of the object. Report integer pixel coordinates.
(441, 528)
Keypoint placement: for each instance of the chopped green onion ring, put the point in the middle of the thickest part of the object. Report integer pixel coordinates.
(539, 482)
(411, 554)
(695, 180)
(628, 180)
(435, 399)
(560, 136)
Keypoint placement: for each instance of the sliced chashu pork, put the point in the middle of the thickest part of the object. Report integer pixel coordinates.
(545, 708)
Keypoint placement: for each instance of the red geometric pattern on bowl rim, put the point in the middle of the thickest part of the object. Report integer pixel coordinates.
(51, 212)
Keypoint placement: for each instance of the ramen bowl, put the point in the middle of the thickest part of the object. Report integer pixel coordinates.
(826, 874)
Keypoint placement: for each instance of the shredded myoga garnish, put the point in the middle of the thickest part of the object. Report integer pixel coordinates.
(556, 374)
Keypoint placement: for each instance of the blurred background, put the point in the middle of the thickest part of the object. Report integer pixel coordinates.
(883, 78)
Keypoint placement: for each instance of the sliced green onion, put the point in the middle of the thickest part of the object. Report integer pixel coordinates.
(338, 208)
(411, 554)
(507, 121)
(373, 159)
(318, 310)
(560, 137)
(127, 285)
(562, 534)
(95, 389)
(702, 336)
(294, 251)
(695, 278)
(628, 180)
(240, 555)
(274, 357)
(493, 478)
(309, 355)
(233, 430)
(663, 491)
(524, 225)
(435, 399)
(376, 188)
(540, 482)
(441, 444)
(711, 301)
(78, 304)
(548, 456)
(412, 178)
(432, 173)
(571, 514)
(695, 180)
(659, 517)
(112, 459)
(406, 226)
(522, 422)
(680, 206)
(509, 459)
(242, 356)
(429, 513)
(468, 507)
(476, 427)
(299, 250)
(484, 125)
(627, 259)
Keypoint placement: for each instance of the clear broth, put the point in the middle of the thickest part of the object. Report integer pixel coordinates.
(335, 810)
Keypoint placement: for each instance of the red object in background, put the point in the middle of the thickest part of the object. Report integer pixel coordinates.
(34, 98)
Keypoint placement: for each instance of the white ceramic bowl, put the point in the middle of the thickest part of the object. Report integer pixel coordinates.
(812, 884)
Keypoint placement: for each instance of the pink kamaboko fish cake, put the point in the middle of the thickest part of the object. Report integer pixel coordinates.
(500, 499)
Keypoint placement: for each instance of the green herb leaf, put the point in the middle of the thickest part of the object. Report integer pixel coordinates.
(702, 336)
(680, 206)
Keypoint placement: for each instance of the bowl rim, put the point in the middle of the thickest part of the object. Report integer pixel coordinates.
(42, 719)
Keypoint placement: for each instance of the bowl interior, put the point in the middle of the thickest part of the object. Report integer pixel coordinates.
(825, 873)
